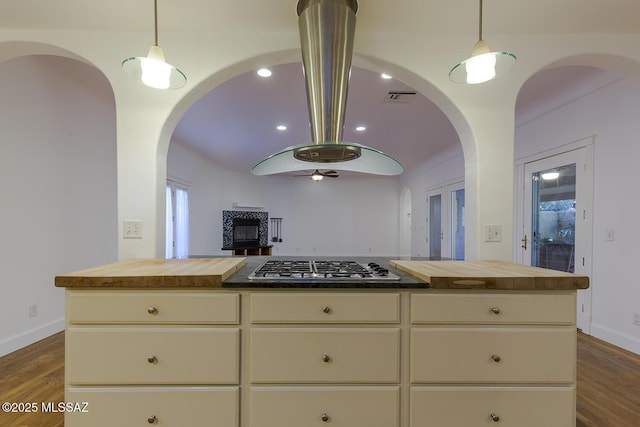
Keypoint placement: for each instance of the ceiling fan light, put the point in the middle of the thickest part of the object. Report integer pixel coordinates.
(317, 177)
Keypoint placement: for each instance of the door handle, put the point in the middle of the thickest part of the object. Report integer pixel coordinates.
(524, 242)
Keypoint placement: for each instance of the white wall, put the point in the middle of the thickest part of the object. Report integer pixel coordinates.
(343, 216)
(611, 114)
(58, 187)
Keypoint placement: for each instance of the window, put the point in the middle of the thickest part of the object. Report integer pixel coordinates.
(177, 221)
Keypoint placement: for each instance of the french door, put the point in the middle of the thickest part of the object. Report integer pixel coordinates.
(556, 219)
(445, 220)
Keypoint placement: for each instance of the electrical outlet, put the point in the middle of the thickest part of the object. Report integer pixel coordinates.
(132, 229)
(610, 235)
(636, 319)
(33, 310)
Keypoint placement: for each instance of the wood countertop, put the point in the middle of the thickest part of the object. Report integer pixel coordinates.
(490, 275)
(155, 273)
(213, 272)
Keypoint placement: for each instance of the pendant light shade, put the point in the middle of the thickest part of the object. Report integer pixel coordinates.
(153, 70)
(483, 65)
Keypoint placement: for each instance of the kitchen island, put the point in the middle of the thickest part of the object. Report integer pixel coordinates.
(194, 342)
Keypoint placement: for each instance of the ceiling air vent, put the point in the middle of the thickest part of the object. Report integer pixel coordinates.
(399, 96)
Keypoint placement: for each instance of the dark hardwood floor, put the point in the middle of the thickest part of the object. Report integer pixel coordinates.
(34, 374)
(608, 392)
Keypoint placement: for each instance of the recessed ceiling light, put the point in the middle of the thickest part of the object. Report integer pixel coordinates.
(264, 72)
(385, 76)
(281, 127)
(361, 128)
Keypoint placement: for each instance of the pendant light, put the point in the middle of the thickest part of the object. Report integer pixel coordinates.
(483, 65)
(152, 70)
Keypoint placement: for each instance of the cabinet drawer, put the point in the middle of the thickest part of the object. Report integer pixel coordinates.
(152, 307)
(126, 355)
(171, 406)
(325, 308)
(510, 406)
(334, 406)
(346, 355)
(494, 308)
(466, 355)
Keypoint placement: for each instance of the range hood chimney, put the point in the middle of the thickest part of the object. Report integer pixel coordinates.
(327, 29)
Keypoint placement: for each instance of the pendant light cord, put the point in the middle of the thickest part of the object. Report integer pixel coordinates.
(480, 24)
(155, 19)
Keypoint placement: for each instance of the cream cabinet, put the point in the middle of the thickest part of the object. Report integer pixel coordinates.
(322, 358)
(157, 357)
(319, 357)
(492, 358)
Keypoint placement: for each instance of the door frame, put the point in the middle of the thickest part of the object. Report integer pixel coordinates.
(581, 153)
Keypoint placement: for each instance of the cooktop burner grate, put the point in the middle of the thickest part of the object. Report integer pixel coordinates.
(320, 270)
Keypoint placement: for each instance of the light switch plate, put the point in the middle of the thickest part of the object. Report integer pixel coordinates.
(132, 229)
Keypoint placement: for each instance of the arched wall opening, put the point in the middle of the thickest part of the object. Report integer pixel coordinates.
(594, 105)
(58, 163)
(249, 67)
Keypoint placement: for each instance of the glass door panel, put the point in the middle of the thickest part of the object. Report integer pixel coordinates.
(457, 224)
(553, 218)
(435, 225)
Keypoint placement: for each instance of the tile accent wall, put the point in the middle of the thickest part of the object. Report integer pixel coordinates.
(227, 226)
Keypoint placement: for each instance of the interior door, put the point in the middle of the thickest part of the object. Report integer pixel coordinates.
(556, 225)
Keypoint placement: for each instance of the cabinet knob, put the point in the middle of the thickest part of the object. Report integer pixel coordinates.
(152, 359)
(495, 418)
(152, 310)
(324, 417)
(326, 309)
(496, 310)
(326, 358)
(152, 420)
(495, 358)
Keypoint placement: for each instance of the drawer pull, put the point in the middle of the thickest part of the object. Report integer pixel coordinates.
(326, 309)
(326, 358)
(325, 417)
(152, 359)
(495, 358)
(152, 310)
(496, 310)
(495, 418)
(152, 420)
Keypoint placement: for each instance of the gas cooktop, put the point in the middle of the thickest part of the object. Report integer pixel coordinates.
(320, 270)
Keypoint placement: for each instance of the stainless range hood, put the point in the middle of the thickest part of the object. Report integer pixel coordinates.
(327, 29)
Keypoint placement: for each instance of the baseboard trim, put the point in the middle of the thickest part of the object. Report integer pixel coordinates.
(616, 338)
(16, 342)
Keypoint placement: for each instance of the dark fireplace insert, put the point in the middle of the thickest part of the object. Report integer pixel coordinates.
(246, 233)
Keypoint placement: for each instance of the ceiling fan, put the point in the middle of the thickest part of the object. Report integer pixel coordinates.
(317, 175)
